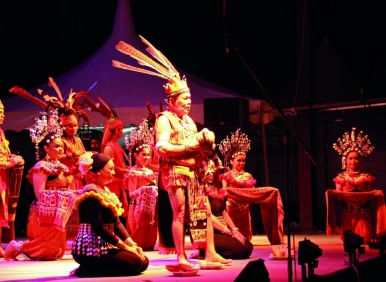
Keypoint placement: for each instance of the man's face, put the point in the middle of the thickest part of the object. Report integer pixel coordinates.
(182, 103)
(95, 145)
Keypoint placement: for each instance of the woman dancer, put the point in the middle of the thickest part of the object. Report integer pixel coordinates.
(110, 146)
(142, 186)
(359, 219)
(103, 247)
(241, 191)
(46, 229)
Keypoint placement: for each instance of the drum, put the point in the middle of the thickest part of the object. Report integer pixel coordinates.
(15, 176)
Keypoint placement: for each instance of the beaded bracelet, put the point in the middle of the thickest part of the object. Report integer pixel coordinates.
(130, 242)
(120, 244)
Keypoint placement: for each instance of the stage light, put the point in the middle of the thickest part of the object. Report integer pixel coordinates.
(308, 253)
(379, 243)
(351, 243)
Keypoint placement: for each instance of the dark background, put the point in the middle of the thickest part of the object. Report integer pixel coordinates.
(45, 38)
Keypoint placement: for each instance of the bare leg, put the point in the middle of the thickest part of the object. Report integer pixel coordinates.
(177, 201)
(1, 249)
(210, 253)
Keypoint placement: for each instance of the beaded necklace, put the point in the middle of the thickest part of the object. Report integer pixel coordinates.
(184, 122)
(231, 178)
(143, 173)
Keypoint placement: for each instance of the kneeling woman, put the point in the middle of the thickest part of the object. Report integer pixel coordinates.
(103, 247)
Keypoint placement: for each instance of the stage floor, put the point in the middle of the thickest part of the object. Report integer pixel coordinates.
(331, 261)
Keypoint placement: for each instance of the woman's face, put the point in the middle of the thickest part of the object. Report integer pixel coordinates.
(238, 162)
(142, 157)
(55, 149)
(118, 132)
(107, 173)
(353, 161)
(71, 129)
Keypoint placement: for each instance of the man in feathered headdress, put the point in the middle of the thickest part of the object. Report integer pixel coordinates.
(7, 161)
(180, 148)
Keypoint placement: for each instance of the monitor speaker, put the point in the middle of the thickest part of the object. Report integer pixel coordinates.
(254, 271)
(225, 115)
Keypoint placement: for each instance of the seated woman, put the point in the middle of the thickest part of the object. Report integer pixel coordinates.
(362, 213)
(103, 247)
(46, 231)
(228, 241)
(141, 183)
(241, 191)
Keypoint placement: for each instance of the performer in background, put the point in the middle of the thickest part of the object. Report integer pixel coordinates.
(228, 240)
(179, 146)
(110, 146)
(103, 247)
(95, 144)
(7, 161)
(141, 182)
(240, 189)
(46, 232)
(363, 212)
(73, 146)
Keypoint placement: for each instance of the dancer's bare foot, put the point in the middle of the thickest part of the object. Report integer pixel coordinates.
(215, 257)
(184, 260)
(1, 252)
(12, 250)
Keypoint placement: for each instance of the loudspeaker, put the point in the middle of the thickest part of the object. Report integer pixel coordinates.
(225, 115)
(254, 271)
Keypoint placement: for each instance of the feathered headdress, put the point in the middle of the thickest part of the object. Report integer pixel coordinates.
(47, 123)
(164, 69)
(74, 104)
(113, 120)
(237, 144)
(349, 142)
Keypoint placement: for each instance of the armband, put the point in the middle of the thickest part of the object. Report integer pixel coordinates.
(160, 144)
(188, 148)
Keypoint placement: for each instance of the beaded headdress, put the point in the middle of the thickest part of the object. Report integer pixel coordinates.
(175, 85)
(349, 142)
(236, 145)
(47, 123)
(1, 104)
(143, 137)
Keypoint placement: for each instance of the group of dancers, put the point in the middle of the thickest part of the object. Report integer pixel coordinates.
(114, 206)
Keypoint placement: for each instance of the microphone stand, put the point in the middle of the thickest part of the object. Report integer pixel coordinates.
(288, 129)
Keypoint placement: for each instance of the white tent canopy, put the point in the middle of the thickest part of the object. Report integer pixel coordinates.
(125, 91)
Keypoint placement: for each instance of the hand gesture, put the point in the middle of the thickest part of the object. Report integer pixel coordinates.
(237, 234)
